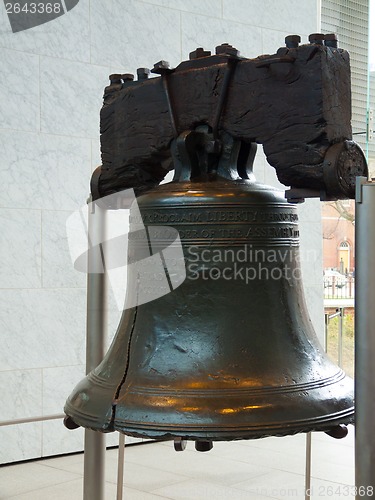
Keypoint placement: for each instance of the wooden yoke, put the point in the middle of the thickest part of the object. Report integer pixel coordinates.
(296, 103)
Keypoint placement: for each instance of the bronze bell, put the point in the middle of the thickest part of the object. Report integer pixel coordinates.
(230, 353)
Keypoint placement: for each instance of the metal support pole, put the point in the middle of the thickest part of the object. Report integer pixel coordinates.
(120, 466)
(94, 456)
(326, 321)
(341, 325)
(308, 467)
(365, 337)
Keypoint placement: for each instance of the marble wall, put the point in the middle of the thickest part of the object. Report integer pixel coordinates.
(51, 88)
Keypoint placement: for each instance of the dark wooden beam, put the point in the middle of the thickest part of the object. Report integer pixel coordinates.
(297, 103)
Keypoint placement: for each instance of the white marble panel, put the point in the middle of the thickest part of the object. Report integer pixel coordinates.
(71, 97)
(286, 16)
(43, 171)
(19, 90)
(96, 159)
(311, 252)
(310, 211)
(112, 439)
(113, 319)
(314, 302)
(38, 481)
(21, 394)
(270, 177)
(57, 266)
(201, 31)
(58, 383)
(259, 165)
(20, 248)
(210, 8)
(20, 442)
(311, 237)
(67, 36)
(42, 328)
(134, 34)
(273, 39)
(311, 249)
(58, 439)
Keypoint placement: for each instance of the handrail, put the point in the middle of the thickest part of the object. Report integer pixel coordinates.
(27, 420)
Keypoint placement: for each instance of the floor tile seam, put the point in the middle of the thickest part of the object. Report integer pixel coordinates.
(342, 468)
(193, 477)
(255, 463)
(64, 468)
(42, 488)
(279, 452)
(331, 481)
(157, 469)
(233, 485)
(271, 471)
(45, 463)
(173, 481)
(189, 476)
(132, 488)
(137, 461)
(33, 464)
(154, 492)
(284, 469)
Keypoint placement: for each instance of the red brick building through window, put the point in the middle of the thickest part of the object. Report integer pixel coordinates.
(338, 235)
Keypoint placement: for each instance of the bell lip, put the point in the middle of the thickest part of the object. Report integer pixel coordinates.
(87, 421)
(237, 432)
(214, 433)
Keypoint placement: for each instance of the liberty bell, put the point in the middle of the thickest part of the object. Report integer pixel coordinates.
(230, 351)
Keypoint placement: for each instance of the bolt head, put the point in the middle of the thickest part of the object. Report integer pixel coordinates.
(331, 40)
(226, 48)
(330, 36)
(127, 77)
(292, 41)
(115, 78)
(161, 67)
(316, 38)
(69, 423)
(143, 73)
(198, 53)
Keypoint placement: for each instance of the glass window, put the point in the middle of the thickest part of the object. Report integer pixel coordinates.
(354, 23)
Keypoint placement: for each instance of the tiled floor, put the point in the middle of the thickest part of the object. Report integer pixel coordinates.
(241, 470)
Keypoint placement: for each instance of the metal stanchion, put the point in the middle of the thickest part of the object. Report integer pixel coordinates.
(365, 338)
(340, 339)
(308, 467)
(94, 451)
(120, 466)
